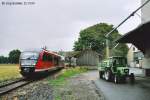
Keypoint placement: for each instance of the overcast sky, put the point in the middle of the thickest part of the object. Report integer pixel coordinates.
(56, 23)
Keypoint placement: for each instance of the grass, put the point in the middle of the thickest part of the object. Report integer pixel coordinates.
(66, 73)
(9, 71)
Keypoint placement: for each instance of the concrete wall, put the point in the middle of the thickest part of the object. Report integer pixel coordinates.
(145, 12)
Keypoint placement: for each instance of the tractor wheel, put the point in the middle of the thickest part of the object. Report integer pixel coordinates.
(116, 79)
(100, 74)
(107, 75)
(132, 78)
(123, 79)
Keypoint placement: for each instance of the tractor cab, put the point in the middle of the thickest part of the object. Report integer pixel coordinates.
(118, 61)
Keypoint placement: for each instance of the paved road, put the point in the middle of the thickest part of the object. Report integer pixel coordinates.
(138, 91)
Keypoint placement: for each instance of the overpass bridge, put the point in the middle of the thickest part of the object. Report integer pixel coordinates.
(140, 37)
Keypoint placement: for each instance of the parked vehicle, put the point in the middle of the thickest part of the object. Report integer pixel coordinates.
(37, 61)
(115, 69)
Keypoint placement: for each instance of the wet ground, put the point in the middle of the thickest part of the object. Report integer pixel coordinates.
(138, 91)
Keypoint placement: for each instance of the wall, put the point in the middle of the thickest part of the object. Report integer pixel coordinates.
(88, 58)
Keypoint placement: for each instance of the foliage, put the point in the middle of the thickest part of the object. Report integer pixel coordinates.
(3, 60)
(94, 38)
(14, 56)
(121, 50)
(12, 59)
(9, 71)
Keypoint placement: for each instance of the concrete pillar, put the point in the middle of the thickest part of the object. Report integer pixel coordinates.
(146, 63)
(130, 57)
(145, 12)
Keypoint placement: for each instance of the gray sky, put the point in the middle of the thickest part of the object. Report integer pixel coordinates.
(56, 23)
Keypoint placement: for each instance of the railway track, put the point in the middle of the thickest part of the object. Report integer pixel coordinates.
(13, 85)
(4, 89)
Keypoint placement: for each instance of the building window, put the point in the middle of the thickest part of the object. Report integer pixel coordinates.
(133, 48)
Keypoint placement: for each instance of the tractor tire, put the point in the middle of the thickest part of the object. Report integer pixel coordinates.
(132, 78)
(101, 74)
(107, 75)
(123, 79)
(116, 79)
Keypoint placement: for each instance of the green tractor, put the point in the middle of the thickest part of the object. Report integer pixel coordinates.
(115, 69)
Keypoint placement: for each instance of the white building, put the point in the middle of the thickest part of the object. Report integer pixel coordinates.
(135, 57)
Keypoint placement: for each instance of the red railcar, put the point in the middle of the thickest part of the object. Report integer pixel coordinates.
(36, 61)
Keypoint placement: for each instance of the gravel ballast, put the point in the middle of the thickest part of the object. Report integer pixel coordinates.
(39, 90)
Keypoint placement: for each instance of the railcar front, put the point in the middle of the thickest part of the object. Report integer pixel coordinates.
(28, 61)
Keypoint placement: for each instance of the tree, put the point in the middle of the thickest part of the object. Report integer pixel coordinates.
(14, 56)
(3, 60)
(94, 38)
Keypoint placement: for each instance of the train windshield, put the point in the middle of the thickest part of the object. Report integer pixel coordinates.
(29, 55)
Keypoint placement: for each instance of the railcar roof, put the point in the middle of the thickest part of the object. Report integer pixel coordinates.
(52, 53)
(41, 50)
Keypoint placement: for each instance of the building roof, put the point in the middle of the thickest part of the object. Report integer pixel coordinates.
(140, 37)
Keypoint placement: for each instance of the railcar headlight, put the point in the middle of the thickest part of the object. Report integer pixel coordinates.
(33, 62)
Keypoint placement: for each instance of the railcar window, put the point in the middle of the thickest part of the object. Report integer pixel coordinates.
(29, 55)
(50, 58)
(47, 57)
(56, 61)
(44, 57)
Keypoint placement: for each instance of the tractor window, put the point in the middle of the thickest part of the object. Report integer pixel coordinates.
(119, 62)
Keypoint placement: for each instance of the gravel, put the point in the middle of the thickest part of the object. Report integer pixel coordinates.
(39, 90)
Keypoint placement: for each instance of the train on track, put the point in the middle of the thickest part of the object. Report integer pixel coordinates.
(38, 61)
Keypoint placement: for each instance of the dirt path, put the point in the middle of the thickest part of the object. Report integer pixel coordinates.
(80, 87)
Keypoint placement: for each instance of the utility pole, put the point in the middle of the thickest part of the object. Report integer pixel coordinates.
(107, 35)
(107, 49)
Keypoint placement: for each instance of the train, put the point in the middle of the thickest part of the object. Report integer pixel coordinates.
(38, 61)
